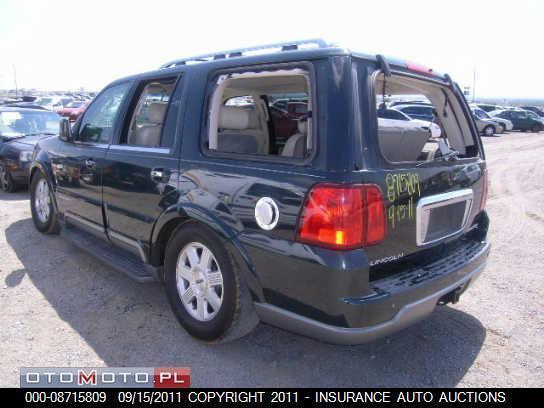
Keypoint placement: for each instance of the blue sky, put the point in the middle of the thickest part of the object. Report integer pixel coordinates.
(69, 44)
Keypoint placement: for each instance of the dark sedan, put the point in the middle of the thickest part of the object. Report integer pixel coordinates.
(20, 129)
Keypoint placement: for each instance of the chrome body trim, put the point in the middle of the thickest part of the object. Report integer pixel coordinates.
(141, 149)
(425, 204)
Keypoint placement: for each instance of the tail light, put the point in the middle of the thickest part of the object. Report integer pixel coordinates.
(485, 188)
(340, 216)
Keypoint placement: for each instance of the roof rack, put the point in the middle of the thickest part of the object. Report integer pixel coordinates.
(269, 48)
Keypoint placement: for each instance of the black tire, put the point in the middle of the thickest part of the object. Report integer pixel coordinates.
(51, 224)
(489, 130)
(535, 128)
(236, 316)
(6, 181)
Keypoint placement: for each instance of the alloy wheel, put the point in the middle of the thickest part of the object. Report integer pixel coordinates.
(199, 281)
(4, 179)
(42, 201)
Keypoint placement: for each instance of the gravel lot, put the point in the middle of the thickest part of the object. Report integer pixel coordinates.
(61, 307)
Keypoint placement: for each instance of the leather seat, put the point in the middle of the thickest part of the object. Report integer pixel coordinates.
(238, 131)
(296, 144)
(149, 134)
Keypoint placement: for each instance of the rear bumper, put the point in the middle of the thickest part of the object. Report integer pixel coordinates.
(420, 305)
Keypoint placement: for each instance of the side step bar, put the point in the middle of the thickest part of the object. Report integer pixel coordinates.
(111, 256)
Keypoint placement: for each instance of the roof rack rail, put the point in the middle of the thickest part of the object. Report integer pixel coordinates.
(284, 46)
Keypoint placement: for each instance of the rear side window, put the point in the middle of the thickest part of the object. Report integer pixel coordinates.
(259, 114)
(436, 125)
(149, 114)
(97, 123)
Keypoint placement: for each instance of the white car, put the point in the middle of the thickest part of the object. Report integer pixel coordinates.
(392, 117)
(52, 102)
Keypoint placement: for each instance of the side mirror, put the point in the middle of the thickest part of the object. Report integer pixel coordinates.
(65, 130)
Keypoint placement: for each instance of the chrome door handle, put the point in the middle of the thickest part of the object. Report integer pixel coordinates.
(158, 175)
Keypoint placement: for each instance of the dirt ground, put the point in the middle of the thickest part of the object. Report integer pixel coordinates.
(60, 307)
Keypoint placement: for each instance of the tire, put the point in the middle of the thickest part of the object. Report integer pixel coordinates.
(44, 213)
(6, 181)
(489, 130)
(535, 128)
(217, 305)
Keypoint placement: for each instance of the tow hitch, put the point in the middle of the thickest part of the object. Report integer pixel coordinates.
(454, 295)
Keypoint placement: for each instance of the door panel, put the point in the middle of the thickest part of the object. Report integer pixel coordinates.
(137, 187)
(79, 169)
(78, 175)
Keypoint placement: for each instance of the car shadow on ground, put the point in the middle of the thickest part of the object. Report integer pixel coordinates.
(17, 196)
(130, 324)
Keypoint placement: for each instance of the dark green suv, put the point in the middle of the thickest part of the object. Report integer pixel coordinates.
(523, 120)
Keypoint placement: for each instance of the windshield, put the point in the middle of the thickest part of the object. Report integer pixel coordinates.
(75, 104)
(20, 123)
(481, 114)
(43, 101)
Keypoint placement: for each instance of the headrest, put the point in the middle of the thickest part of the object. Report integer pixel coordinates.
(234, 117)
(302, 126)
(156, 112)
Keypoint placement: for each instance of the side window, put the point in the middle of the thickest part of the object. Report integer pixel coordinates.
(149, 114)
(266, 113)
(98, 121)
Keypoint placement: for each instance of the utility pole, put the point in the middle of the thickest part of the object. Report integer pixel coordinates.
(15, 80)
(474, 85)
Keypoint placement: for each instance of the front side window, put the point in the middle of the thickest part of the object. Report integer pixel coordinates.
(265, 113)
(98, 121)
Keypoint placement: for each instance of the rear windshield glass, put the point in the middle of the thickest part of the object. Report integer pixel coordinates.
(420, 121)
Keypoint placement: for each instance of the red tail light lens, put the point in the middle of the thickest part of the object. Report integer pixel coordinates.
(342, 216)
(485, 189)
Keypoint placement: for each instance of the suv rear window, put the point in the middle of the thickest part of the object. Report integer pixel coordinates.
(436, 125)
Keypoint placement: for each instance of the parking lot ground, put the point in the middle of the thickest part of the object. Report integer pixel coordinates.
(61, 307)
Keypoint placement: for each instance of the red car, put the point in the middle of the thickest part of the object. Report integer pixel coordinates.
(73, 110)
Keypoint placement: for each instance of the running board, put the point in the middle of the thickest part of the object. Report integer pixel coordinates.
(110, 255)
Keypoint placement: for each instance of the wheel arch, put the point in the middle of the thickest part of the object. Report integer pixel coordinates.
(176, 216)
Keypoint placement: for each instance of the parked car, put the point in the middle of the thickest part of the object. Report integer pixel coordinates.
(20, 130)
(488, 107)
(73, 110)
(534, 109)
(53, 102)
(521, 119)
(417, 111)
(482, 116)
(393, 117)
(329, 237)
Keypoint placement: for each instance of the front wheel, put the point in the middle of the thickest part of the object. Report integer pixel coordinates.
(489, 130)
(6, 181)
(44, 213)
(535, 129)
(207, 295)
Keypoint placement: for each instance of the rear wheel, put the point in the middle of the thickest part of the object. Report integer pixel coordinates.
(535, 128)
(489, 130)
(43, 211)
(207, 295)
(6, 181)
